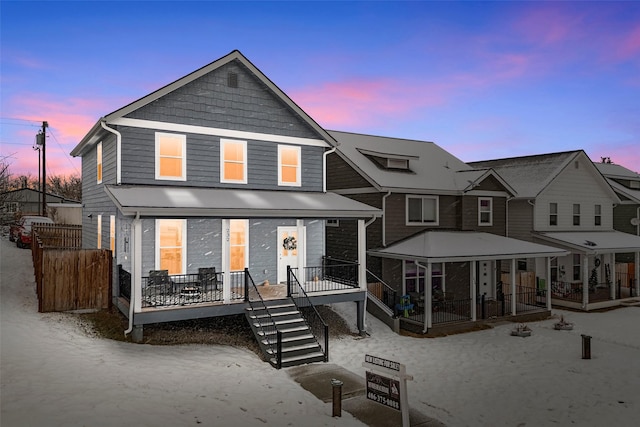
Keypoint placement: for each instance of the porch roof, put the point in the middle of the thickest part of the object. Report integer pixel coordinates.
(449, 246)
(234, 203)
(593, 242)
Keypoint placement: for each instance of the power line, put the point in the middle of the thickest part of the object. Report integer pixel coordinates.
(63, 151)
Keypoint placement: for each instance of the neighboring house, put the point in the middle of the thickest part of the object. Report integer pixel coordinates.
(441, 240)
(65, 213)
(26, 201)
(219, 169)
(626, 214)
(563, 200)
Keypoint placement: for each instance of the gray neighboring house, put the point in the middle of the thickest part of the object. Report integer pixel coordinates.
(441, 241)
(27, 201)
(563, 200)
(218, 170)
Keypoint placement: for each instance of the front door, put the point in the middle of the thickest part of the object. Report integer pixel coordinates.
(287, 251)
(486, 283)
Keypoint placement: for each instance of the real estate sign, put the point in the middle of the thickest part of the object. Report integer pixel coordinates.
(387, 384)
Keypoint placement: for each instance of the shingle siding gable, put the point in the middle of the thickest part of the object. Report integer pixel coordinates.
(209, 101)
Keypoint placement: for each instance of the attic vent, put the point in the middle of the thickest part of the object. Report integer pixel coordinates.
(397, 164)
(576, 164)
(232, 80)
(634, 184)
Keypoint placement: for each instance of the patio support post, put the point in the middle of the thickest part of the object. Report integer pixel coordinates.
(611, 261)
(136, 276)
(302, 244)
(637, 274)
(225, 255)
(428, 290)
(474, 296)
(585, 281)
(513, 287)
(362, 255)
(548, 284)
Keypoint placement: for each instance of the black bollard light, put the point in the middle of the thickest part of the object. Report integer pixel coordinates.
(337, 397)
(586, 346)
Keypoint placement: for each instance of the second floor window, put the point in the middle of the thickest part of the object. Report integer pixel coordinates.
(485, 211)
(288, 165)
(171, 156)
(553, 214)
(576, 214)
(233, 161)
(422, 210)
(99, 162)
(597, 220)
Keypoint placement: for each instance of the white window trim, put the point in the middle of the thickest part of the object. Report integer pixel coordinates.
(597, 216)
(183, 141)
(99, 232)
(246, 242)
(112, 235)
(298, 182)
(184, 243)
(244, 156)
(99, 163)
(553, 214)
(422, 223)
(485, 224)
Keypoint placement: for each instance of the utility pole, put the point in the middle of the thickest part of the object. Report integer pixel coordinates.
(37, 147)
(44, 168)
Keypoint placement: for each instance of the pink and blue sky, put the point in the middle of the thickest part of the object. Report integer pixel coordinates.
(483, 80)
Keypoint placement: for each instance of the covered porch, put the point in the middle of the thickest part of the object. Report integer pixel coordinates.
(469, 283)
(590, 278)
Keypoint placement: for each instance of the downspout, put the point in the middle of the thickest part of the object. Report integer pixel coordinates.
(118, 148)
(384, 219)
(427, 295)
(366, 298)
(638, 218)
(131, 291)
(324, 167)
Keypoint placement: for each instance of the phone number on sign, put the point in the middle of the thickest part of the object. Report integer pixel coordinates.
(385, 401)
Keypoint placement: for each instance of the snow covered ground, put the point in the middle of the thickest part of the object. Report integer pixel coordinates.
(52, 373)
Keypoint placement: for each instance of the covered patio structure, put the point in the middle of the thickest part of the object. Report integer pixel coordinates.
(479, 254)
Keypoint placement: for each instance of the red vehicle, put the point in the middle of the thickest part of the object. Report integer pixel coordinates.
(20, 232)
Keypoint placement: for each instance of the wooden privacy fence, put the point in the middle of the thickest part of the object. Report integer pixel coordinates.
(70, 278)
(59, 235)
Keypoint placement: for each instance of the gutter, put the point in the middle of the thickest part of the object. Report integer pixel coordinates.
(132, 291)
(324, 167)
(118, 151)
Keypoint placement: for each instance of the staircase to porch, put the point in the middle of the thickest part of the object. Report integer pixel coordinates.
(283, 334)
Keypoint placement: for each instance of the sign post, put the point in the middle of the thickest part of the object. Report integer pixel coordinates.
(386, 383)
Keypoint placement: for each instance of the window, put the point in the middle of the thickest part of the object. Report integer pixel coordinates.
(171, 156)
(112, 234)
(12, 207)
(333, 223)
(233, 161)
(576, 214)
(414, 277)
(99, 232)
(171, 254)
(99, 162)
(598, 215)
(239, 239)
(422, 210)
(553, 214)
(485, 211)
(288, 165)
(576, 267)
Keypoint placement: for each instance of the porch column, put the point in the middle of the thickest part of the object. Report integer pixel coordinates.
(513, 286)
(136, 262)
(225, 256)
(362, 255)
(302, 247)
(473, 291)
(428, 296)
(611, 261)
(585, 281)
(548, 287)
(637, 273)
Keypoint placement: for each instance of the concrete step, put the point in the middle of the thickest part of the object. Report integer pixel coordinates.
(299, 360)
(289, 351)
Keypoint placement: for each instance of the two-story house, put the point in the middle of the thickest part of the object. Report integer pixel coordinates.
(212, 189)
(441, 241)
(564, 201)
(626, 218)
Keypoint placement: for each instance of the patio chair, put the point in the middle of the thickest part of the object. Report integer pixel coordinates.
(207, 279)
(159, 283)
(405, 306)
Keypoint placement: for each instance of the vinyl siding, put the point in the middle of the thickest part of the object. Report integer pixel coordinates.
(340, 174)
(520, 220)
(470, 215)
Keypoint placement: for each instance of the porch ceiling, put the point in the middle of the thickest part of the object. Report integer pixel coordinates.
(234, 203)
(593, 242)
(449, 246)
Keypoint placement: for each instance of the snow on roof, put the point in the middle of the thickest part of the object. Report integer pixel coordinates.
(432, 168)
(449, 246)
(594, 242)
(529, 175)
(611, 170)
(234, 203)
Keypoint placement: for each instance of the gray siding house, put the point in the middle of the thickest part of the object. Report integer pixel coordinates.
(218, 174)
(564, 201)
(439, 254)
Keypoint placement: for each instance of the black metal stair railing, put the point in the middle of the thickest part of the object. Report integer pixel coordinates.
(264, 325)
(318, 327)
(378, 289)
